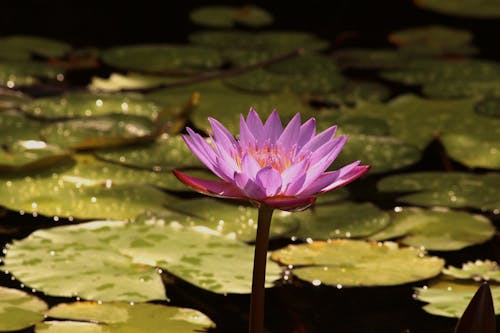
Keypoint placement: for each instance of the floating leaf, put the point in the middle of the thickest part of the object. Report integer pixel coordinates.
(20, 47)
(74, 105)
(451, 189)
(26, 73)
(116, 82)
(370, 58)
(437, 230)
(352, 263)
(162, 155)
(462, 88)
(433, 40)
(354, 92)
(340, 220)
(120, 317)
(19, 310)
(478, 270)
(473, 150)
(466, 8)
(30, 154)
(479, 316)
(162, 58)
(234, 220)
(450, 299)
(118, 260)
(228, 16)
(15, 127)
(99, 131)
(489, 107)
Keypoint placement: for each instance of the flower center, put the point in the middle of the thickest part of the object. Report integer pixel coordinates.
(270, 155)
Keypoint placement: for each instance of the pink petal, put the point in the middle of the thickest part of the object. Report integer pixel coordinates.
(272, 128)
(269, 179)
(307, 132)
(347, 178)
(246, 136)
(249, 187)
(223, 138)
(331, 149)
(320, 139)
(202, 150)
(249, 166)
(289, 136)
(213, 188)
(254, 123)
(290, 203)
(294, 176)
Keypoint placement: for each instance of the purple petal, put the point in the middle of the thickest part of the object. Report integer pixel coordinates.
(331, 149)
(307, 132)
(249, 187)
(269, 179)
(289, 136)
(290, 203)
(210, 187)
(272, 128)
(249, 166)
(320, 139)
(345, 179)
(201, 149)
(223, 137)
(254, 123)
(294, 176)
(246, 136)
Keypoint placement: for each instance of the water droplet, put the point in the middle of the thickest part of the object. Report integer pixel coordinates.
(398, 209)
(93, 199)
(8, 183)
(159, 271)
(316, 283)
(99, 103)
(52, 253)
(99, 301)
(60, 77)
(34, 214)
(132, 303)
(33, 290)
(22, 285)
(309, 240)
(10, 84)
(108, 183)
(293, 238)
(34, 205)
(12, 278)
(124, 106)
(56, 218)
(449, 288)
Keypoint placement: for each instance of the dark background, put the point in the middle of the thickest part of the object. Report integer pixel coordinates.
(104, 23)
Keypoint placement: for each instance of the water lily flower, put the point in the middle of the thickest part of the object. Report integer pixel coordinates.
(283, 168)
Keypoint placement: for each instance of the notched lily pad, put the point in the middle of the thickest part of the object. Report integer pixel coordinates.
(440, 230)
(478, 270)
(19, 310)
(450, 299)
(352, 263)
(228, 16)
(450, 189)
(342, 220)
(162, 58)
(117, 317)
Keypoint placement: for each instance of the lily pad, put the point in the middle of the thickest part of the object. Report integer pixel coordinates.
(472, 150)
(228, 16)
(466, 8)
(116, 82)
(451, 189)
(433, 40)
(20, 47)
(99, 131)
(19, 310)
(15, 127)
(450, 299)
(26, 73)
(351, 263)
(489, 107)
(353, 92)
(439, 230)
(478, 270)
(30, 154)
(73, 105)
(370, 58)
(162, 155)
(119, 260)
(117, 317)
(162, 58)
(462, 88)
(234, 220)
(342, 220)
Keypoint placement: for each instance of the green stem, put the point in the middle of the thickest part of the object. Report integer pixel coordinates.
(259, 270)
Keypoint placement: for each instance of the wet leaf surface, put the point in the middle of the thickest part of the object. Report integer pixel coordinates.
(479, 270)
(228, 16)
(19, 310)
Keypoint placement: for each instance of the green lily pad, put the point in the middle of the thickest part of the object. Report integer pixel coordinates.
(433, 40)
(350, 263)
(450, 299)
(437, 230)
(162, 155)
(472, 150)
(489, 107)
(279, 41)
(451, 189)
(119, 260)
(15, 127)
(20, 47)
(26, 73)
(12, 99)
(162, 58)
(478, 270)
(80, 104)
(466, 8)
(19, 310)
(30, 154)
(370, 58)
(116, 82)
(237, 221)
(462, 88)
(228, 16)
(341, 220)
(354, 92)
(308, 64)
(99, 131)
(120, 317)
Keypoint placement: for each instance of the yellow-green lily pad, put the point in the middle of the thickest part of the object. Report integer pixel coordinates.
(116, 82)
(228, 16)
(19, 310)
(118, 317)
(21, 47)
(489, 107)
(465, 8)
(26, 73)
(15, 127)
(350, 263)
(479, 270)
(451, 189)
(439, 230)
(30, 154)
(472, 150)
